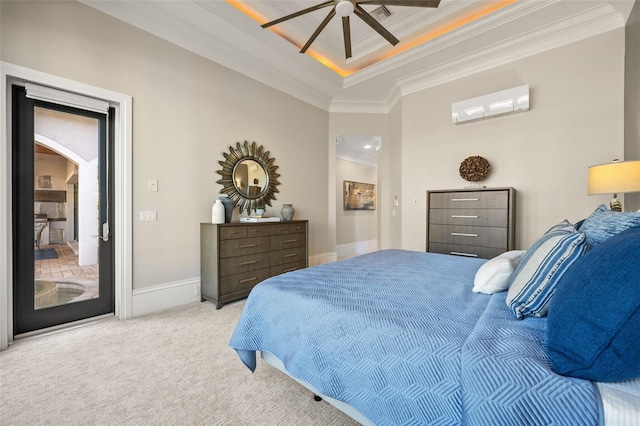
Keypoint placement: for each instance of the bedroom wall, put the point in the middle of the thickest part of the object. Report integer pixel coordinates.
(390, 174)
(576, 120)
(632, 97)
(186, 111)
(355, 229)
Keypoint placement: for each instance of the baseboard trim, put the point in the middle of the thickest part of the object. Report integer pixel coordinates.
(319, 259)
(169, 295)
(346, 251)
(164, 296)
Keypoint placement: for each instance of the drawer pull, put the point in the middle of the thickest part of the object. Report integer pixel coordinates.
(290, 241)
(290, 255)
(460, 234)
(234, 232)
(462, 216)
(457, 253)
(289, 270)
(248, 246)
(250, 262)
(465, 199)
(246, 280)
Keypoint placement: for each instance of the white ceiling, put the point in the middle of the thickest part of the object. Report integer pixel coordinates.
(218, 30)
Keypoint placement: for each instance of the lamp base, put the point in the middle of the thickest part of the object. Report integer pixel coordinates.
(615, 205)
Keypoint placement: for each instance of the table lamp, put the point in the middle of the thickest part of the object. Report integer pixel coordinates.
(614, 178)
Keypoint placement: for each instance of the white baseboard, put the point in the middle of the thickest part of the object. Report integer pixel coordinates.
(165, 296)
(346, 251)
(319, 259)
(169, 295)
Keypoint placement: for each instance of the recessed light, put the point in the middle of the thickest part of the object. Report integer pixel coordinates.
(367, 147)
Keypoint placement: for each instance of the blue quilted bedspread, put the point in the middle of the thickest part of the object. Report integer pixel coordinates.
(400, 336)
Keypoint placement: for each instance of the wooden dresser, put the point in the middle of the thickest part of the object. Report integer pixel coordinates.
(236, 256)
(470, 222)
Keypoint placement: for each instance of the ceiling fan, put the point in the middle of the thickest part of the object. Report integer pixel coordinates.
(345, 8)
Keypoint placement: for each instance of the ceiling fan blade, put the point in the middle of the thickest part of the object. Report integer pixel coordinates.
(362, 14)
(412, 3)
(299, 13)
(346, 32)
(318, 30)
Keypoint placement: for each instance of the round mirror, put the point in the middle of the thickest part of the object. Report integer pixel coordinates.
(249, 176)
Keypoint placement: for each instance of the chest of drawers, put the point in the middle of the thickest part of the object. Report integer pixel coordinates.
(234, 257)
(473, 223)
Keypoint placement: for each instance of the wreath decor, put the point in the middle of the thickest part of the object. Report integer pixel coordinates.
(475, 168)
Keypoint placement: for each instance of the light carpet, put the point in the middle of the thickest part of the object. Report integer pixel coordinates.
(168, 368)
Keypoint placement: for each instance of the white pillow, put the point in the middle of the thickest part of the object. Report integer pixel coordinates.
(493, 276)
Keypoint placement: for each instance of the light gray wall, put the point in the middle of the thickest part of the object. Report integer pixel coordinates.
(353, 226)
(186, 111)
(390, 177)
(576, 120)
(632, 97)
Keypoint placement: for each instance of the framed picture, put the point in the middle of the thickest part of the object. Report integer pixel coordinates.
(44, 182)
(359, 196)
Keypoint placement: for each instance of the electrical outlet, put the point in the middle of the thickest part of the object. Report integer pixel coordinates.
(148, 216)
(197, 289)
(153, 185)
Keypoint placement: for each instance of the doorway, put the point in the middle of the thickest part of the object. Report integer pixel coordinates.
(357, 164)
(62, 196)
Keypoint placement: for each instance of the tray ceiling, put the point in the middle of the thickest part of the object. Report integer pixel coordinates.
(458, 38)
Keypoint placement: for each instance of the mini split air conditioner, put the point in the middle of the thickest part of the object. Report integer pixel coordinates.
(492, 105)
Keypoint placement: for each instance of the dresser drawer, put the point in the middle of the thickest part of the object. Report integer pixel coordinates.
(468, 217)
(279, 229)
(244, 281)
(279, 242)
(257, 231)
(233, 232)
(296, 228)
(464, 250)
(469, 235)
(230, 248)
(288, 267)
(238, 264)
(279, 257)
(468, 200)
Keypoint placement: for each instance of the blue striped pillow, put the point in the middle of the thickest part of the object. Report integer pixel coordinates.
(534, 281)
(603, 224)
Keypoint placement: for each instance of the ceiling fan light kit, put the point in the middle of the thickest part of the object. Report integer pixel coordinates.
(344, 9)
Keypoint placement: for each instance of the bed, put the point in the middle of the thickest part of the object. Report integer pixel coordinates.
(399, 337)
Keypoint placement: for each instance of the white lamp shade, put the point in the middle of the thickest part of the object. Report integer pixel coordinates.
(614, 178)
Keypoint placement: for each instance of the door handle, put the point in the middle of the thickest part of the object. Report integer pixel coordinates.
(105, 233)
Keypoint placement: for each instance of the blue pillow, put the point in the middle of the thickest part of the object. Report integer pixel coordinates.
(604, 223)
(593, 327)
(534, 281)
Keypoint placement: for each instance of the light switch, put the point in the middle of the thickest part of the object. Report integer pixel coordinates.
(148, 216)
(153, 185)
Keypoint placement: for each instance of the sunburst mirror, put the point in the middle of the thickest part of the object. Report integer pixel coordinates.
(249, 176)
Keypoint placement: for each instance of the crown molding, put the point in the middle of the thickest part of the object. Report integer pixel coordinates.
(597, 20)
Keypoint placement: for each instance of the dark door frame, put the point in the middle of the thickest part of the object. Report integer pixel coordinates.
(11, 74)
(26, 317)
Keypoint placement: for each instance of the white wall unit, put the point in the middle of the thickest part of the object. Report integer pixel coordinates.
(504, 102)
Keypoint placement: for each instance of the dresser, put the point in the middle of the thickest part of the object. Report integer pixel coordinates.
(236, 256)
(471, 222)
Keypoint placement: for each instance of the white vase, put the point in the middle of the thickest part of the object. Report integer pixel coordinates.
(217, 212)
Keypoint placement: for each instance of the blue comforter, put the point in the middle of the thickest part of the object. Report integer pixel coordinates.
(400, 336)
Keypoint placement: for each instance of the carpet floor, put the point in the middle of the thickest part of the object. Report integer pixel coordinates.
(168, 368)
